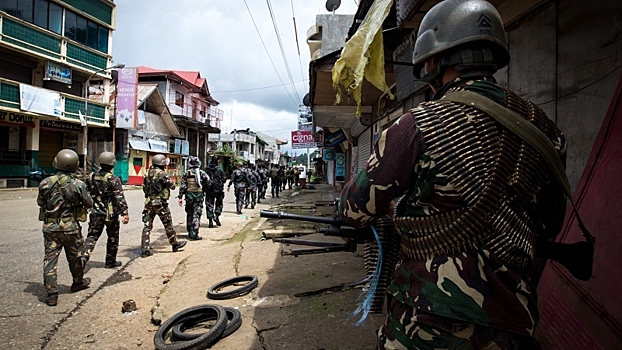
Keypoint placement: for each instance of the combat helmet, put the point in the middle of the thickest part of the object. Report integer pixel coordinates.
(107, 158)
(159, 160)
(66, 160)
(465, 33)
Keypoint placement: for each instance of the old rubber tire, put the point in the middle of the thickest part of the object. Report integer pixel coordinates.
(201, 342)
(213, 293)
(233, 315)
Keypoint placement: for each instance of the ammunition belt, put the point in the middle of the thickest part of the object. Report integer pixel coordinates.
(494, 172)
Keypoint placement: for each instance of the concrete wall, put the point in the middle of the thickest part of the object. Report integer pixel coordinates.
(334, 31)
(566, 57)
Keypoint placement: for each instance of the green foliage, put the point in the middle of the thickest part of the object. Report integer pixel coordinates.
(225, 151)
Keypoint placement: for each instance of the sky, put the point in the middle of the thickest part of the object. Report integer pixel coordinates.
(234, 45)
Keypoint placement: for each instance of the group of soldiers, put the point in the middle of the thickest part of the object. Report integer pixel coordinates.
(66, 198)
(250, 183)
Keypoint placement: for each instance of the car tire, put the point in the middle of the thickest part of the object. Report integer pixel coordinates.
(201, 342)
(213, 291)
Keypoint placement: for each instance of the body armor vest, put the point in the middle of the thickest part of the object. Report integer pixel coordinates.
(495, 173)
(154, 189)
(193, 186)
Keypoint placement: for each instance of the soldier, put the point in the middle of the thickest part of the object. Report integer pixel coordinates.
(157, 186)
(63, 200)
(251, 190)
(240, 180)
(296, 176)
(109, 202)
(282, 177)
(275, 182)
(472, 196)
(215, 193)
(193, 182)
(262, 184)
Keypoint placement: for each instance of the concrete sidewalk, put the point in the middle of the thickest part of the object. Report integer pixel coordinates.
(300, 302)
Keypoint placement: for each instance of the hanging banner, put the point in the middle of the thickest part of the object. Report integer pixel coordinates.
(305, 118)
(328, 155)
(302, 139)
(127, 88)
(335, 138)
(38, 100)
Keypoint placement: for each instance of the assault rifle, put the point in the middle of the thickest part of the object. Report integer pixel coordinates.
(577, 257)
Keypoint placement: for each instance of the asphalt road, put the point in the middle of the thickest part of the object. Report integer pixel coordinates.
(26, 322)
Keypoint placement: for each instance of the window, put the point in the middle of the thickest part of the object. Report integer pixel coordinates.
(86, 32)
(179, 99)
(42, 13)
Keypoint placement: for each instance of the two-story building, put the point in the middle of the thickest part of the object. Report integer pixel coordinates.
(48, 51)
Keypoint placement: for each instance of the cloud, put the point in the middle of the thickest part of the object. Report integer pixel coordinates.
(218, 39)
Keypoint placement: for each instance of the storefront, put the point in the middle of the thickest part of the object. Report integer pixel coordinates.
(140, 159)
(54, 136)
(16, 129)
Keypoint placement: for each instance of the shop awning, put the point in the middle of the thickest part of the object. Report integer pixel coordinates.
(140, 145)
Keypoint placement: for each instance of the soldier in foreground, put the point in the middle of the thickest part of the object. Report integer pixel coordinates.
(215, 192)
(469, 198)
(193, 182)
(157, 186)
(109, 202)
(63, 200)
(240, 182)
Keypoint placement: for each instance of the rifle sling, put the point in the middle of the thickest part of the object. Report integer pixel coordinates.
(528, 133)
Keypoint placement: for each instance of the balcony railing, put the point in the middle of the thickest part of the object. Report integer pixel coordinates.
(70, 104)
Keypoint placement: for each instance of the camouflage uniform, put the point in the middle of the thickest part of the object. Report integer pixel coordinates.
(239, 179)
(263, 184)
(282, 177)
(251, 190)
(275, 182)
(157, 186)
(193, 182)
(214, 194)
(465, 295)
(109, 202)
(60, 198)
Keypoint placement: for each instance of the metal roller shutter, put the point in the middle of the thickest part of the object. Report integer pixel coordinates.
(50, 142)
(364, 148)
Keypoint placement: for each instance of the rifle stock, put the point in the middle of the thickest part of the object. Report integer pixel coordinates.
(577, 257)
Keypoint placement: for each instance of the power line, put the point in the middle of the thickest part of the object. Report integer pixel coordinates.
(251, 89)
(268, 53)
(278, 37)
(302, 74)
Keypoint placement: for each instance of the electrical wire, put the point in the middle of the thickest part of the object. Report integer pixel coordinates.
(251, 89)
(267, 52)
(302, 74)
(278, 37)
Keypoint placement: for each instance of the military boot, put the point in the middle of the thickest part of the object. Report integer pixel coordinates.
(112, 264)
(211, 224)
(52, 299)
(76, 287)
(217, 221)
(179, 245)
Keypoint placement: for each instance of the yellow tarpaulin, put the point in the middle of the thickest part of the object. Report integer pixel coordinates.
(363, 57)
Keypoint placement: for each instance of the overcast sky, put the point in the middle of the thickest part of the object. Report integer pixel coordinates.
(218, 39)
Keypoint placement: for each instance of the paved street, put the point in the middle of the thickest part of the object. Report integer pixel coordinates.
(25, 320)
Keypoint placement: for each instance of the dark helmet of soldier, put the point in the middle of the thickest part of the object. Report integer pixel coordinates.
(214, 160)
(66, 160)
(159, 160)
(466, 33)
(107, 158)
(194, 162)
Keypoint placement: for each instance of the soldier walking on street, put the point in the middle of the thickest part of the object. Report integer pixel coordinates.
(215, 192)
(63, 200)
(263, 185)
(274, 182)
(240, 181)
(193, 182)
(251, 191)
(109, 202)
(157, 186)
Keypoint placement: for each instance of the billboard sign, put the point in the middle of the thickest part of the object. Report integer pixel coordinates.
(305, 118)
(127, 94)
(302, 139)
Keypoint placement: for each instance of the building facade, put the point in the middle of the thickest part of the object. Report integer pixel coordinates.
(48, 52)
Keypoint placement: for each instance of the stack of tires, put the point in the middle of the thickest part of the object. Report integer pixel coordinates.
(225, 320)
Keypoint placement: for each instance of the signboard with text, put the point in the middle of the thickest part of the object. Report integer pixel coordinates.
(127, 92)
(39, 100)
(305, 118)
(340, 167)
(302, 139)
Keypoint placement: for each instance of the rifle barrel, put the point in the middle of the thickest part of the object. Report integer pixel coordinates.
(281, 215)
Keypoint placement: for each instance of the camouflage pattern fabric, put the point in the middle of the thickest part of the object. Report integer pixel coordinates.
(240, 181)
(54, 242)
(472, 286)
(250, 198)
(214, 195)
(214, 204)
(109, 202)
(240, 197)
(149, 214)
(96, 228)
(409, 328)
(263, 185)
(194, 210)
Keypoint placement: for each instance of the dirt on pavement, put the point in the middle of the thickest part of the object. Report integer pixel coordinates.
(299, 303)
